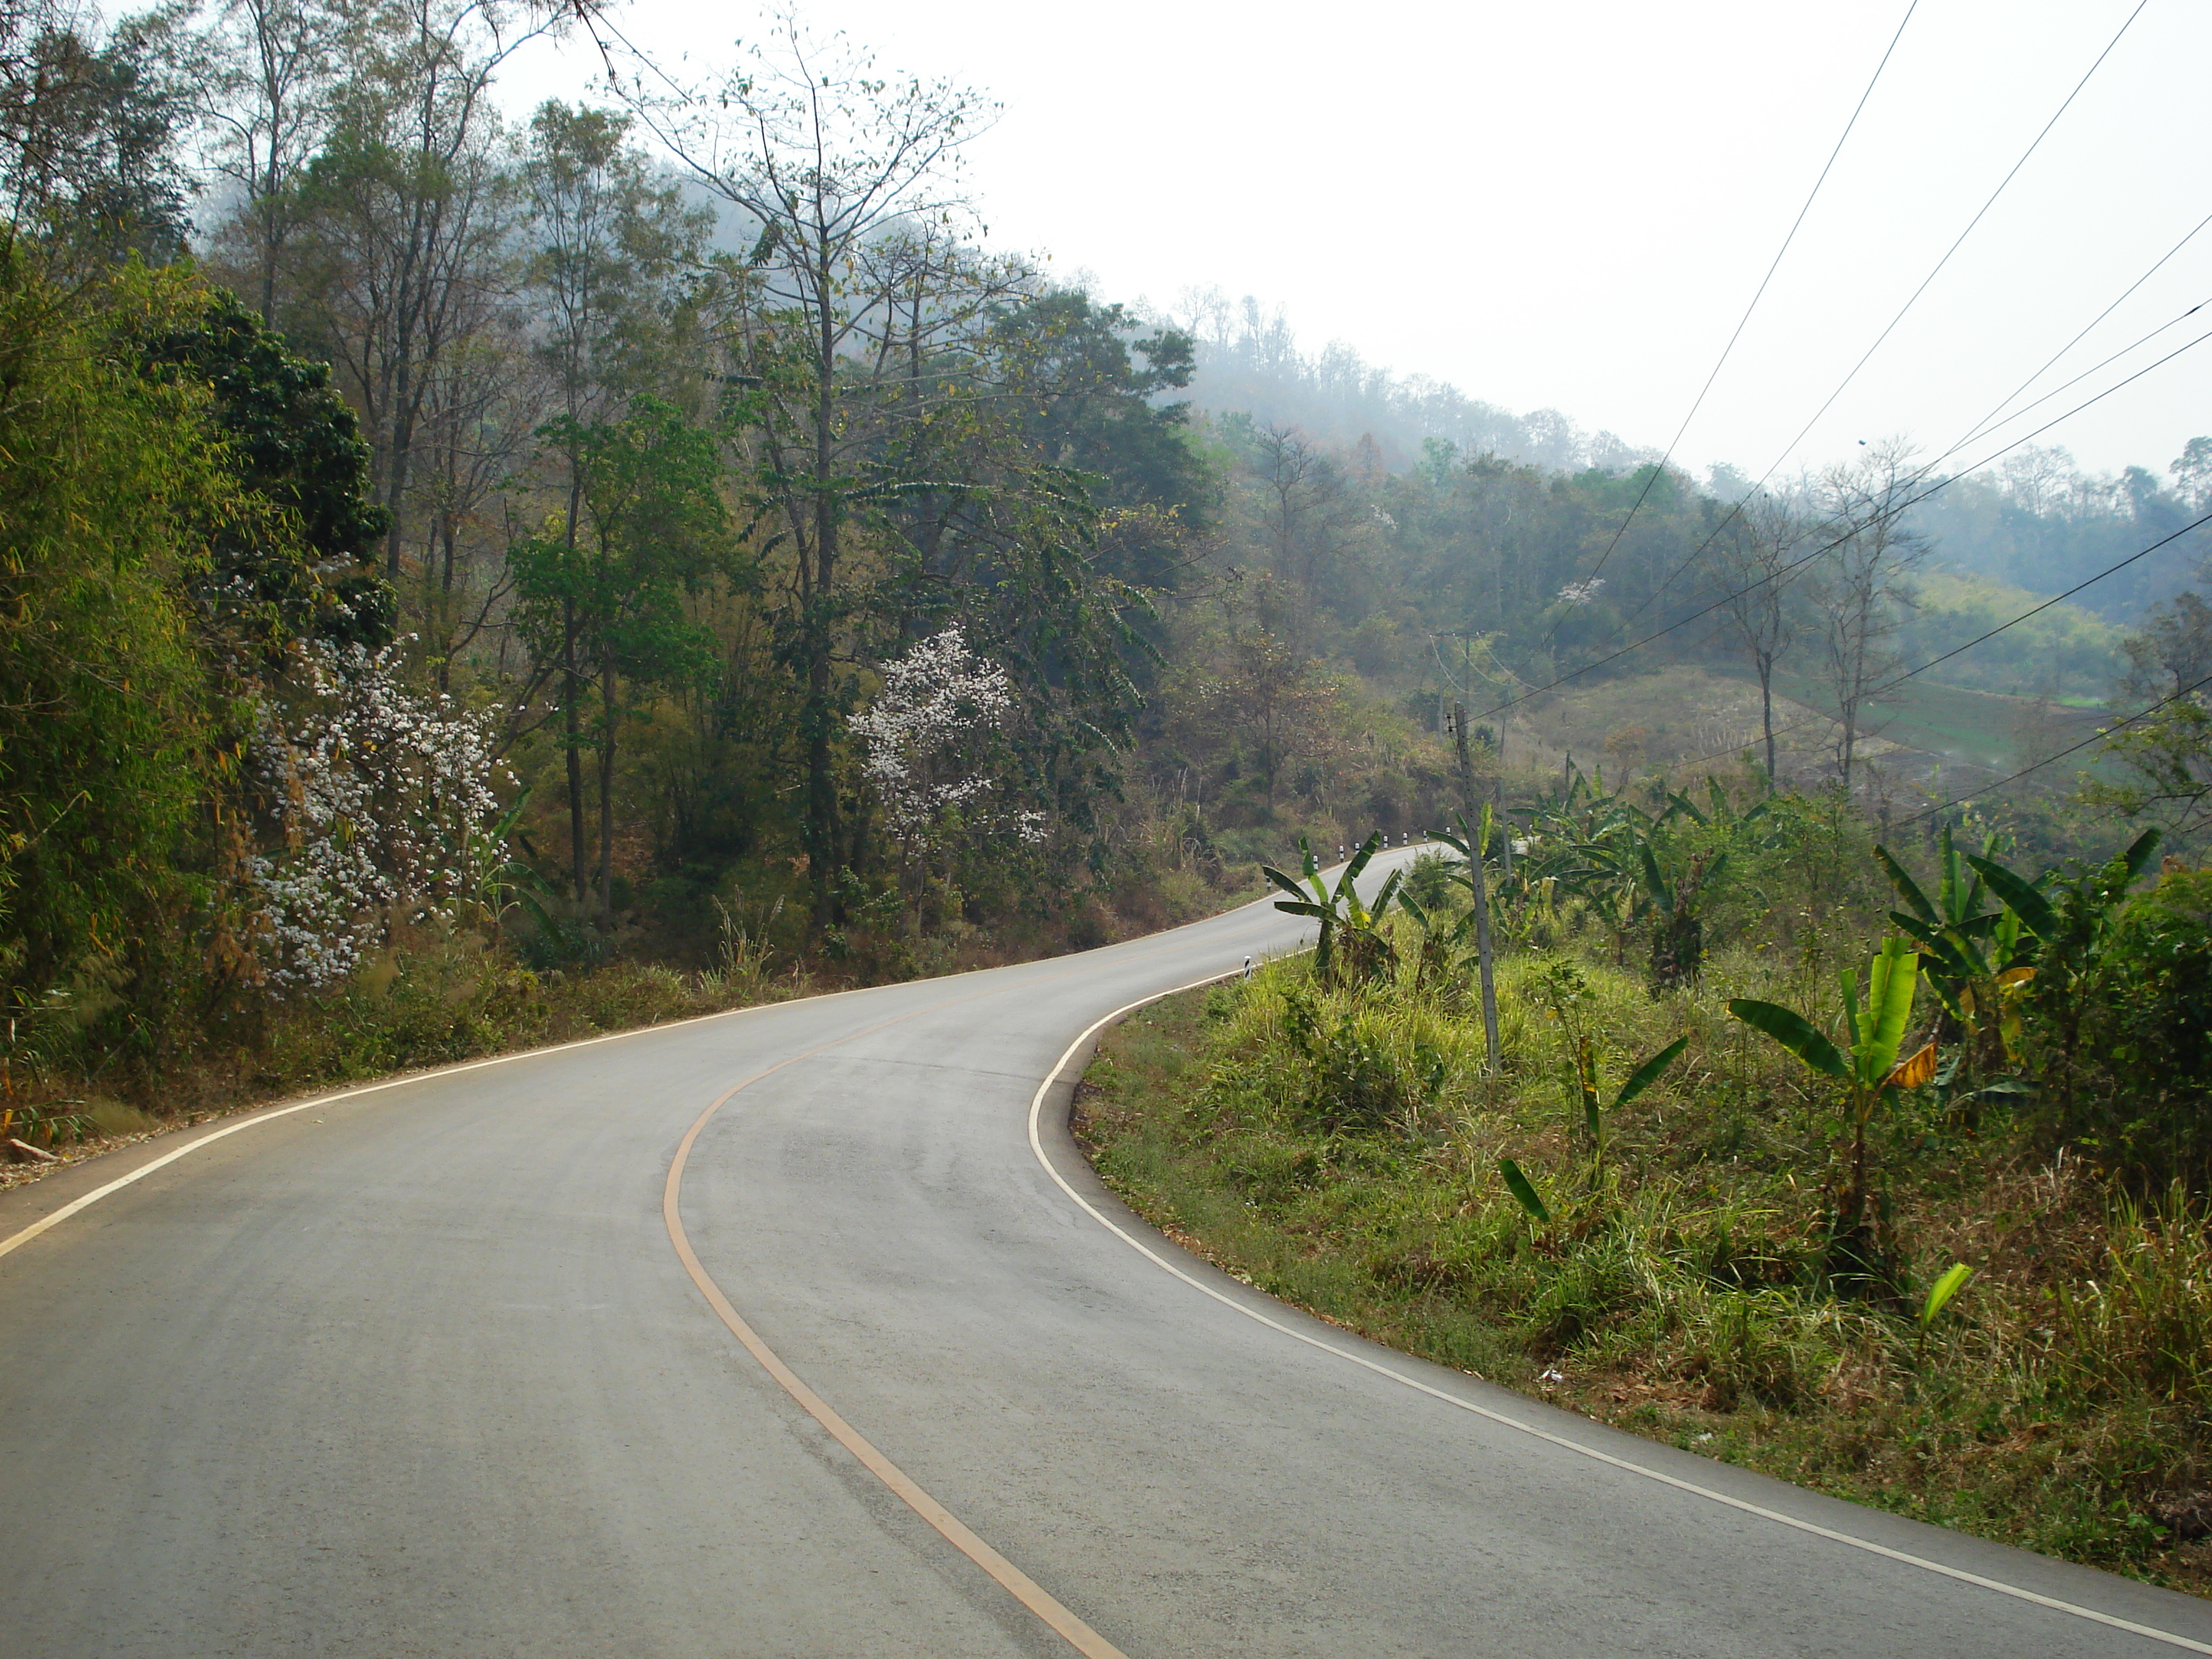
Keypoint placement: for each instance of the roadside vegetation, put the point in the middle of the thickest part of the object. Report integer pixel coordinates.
(1881, 1167)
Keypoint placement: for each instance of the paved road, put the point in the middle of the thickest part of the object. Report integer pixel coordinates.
(422, 1371)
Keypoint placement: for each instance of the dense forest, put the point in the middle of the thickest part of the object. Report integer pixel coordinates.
(469, 577)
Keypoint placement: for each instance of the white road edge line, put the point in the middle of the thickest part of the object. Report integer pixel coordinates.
(1036, 1145)
(16, 1240)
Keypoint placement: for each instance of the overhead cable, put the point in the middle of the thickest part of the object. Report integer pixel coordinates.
(1912, 299)
(1742, 322)
(1935, 489)
(2103, 733)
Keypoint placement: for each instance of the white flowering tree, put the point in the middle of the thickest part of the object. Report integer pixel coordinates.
(930, 745)
(382, 806)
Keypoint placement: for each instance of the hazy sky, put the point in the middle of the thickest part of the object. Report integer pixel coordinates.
(1570, 204)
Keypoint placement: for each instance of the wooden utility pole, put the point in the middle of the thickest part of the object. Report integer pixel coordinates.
(1504, 824)
(1478, 882)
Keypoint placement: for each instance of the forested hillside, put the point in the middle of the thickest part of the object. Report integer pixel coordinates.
(470, 578)
(2033, 518)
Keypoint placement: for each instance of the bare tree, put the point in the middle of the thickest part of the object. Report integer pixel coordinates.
(1755, 562)
(269, 72)
(403, 232)
(1857, 586)
(855, 285)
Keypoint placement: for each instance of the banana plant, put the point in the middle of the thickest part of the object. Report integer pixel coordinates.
(1472, 844)
(1596, 1116)
(2072, 929)
(1938, 1298)
(1444, 941)
(1678, 943)
(1977, 958)
(1869, 1066)
(1340, 909)
(1717, 811)
(2071, 926)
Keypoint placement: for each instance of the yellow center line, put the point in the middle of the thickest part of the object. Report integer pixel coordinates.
(1023, 1588)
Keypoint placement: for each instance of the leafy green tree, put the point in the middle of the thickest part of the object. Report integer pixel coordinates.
(2147, 1034)
(110, 743)
(90, 164)
(1091, 383)
(2073, 922)
(606, 245)
(609, 595)
(306, 570)
(835, 323)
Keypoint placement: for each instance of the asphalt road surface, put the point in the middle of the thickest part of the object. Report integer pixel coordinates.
(782, 1334)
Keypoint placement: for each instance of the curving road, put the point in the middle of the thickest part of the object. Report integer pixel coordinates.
(455, 1367)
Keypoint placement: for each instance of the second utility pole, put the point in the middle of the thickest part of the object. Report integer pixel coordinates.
(1470, 824)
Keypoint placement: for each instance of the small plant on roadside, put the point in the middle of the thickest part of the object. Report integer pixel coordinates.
(1939, 1297)
(1352, 942)
(1869, 1066)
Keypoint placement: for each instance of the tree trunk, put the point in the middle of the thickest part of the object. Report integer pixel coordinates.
(572, 696)
(609, 712)
(1765, 662)
(821, 783)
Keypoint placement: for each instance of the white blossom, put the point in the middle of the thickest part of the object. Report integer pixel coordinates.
(1582, 592)
(384, 802)
(923, 738)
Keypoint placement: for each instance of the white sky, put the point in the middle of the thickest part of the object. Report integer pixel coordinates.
(1569, 205)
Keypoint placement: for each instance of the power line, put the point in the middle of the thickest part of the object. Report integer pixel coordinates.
(1668, 581)
(1742, 322)
(1887, 686)
(1912, 300)
(2139, 341)
(1991, 419)
(2056, 599)
(2104, 734)
(1941, 485)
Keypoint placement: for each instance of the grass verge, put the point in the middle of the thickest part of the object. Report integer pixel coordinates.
(2060, 1406)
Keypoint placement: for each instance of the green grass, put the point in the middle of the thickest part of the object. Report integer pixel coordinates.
(1340, 1150)
(1982, 728)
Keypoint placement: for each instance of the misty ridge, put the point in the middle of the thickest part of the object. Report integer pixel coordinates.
(2035, 521)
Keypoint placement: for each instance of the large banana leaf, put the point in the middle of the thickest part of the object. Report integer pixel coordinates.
(1892, 979)
(1907, 889)
(1956, 957)
(1793, 1032)
(1523, 1190)
(2035, 912)
(1367, 850)
(1649, 1072)
(2139, 854)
